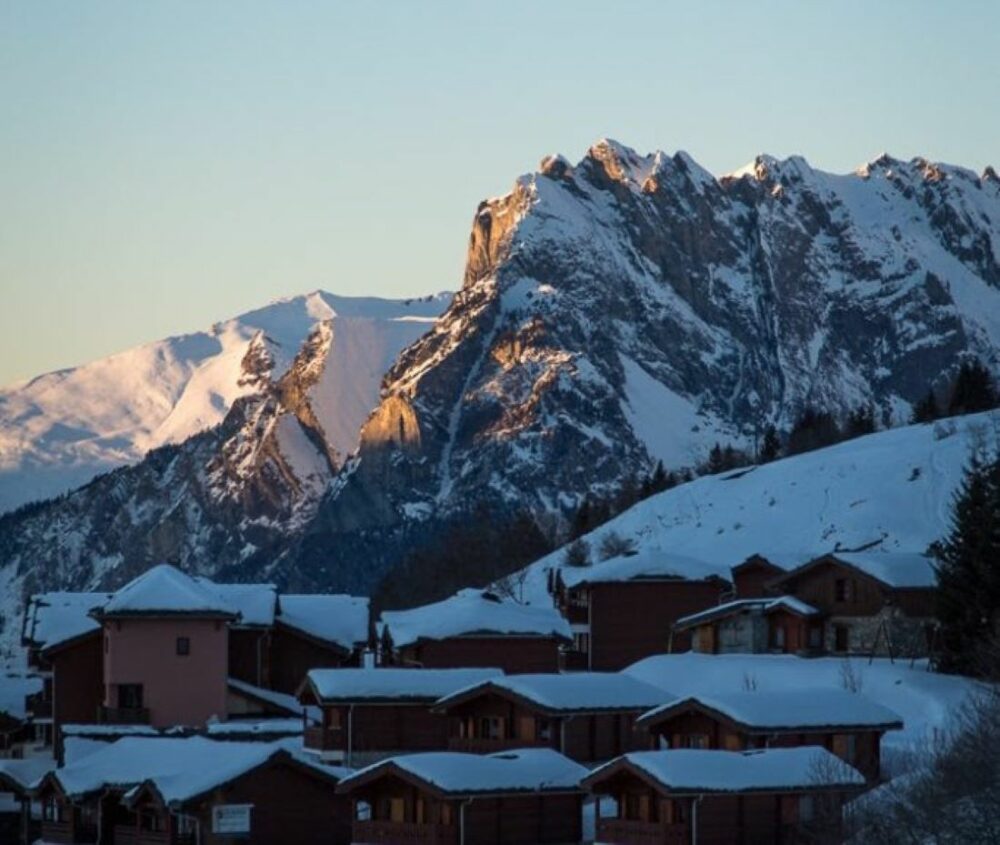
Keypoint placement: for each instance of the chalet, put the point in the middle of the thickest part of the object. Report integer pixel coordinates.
(270, 641)
(165, 650)
(18, 692)
(585, 715)
(720, 797)
(17, 824)
(193, 792)
(777, 625)
(623, 609)
(872, 602)
(475, 628)
(845, 723)
(526, 797)
(63, 643)
(372, 713)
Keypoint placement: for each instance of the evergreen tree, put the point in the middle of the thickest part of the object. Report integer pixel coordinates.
(814, 429)
(716, 460)
(974, 390)
(927, 409)
(861, 421)
(968, 601)
(770, 447)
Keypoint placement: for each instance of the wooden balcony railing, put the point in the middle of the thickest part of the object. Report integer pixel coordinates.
(480, 745)
(123, 715)
(642, 833)
(378, 832)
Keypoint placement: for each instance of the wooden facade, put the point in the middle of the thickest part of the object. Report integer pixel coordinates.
(863, 615)
(755, 626)
(513, 654)
(288, 802)
(494, 721)
(616, 623)
(751, 578)
(77, 684)
(395, 808)
(690, 724)
(646, 813)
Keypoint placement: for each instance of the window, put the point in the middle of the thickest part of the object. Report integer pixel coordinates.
(807, 808)
(696, 741)
(446, 814)
(397, 810)
(544, 729)
(130, 696)
(581, 642)
(778, 636)
(491, 727)
(52, 810)
(840, 589)
(841, 638)
(183, 646)
(152, 821)
(815, 637)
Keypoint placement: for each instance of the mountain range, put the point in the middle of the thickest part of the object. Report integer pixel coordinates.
(616, 312)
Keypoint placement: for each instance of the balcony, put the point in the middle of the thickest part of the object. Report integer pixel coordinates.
(381, 832)
(483, 745)
(123, 715)
(38, 706)
(642, 833)
(319, 738)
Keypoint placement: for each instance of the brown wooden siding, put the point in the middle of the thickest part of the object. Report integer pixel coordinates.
(632, 620)
(293, 655)
(515, 655)
(77, 685)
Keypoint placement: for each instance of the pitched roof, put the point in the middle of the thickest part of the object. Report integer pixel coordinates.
(375, 685)
(164, 589)
(333, 618)
(687, 770)
(454, 773)
(179, 769)
(650, 564)
(793, 710)
(282, 701)
(762, 605)
(256, 603)
(900, 570)
(471, 612)
(20, 775)
(52, 619)
(14, 688)
(576, 692)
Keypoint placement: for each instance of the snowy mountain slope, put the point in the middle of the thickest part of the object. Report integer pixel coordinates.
(59, 430)
(886, 492)
(631, 307)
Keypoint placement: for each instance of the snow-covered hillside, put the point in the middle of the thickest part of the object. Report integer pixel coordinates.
(886, 492)
(59, 430)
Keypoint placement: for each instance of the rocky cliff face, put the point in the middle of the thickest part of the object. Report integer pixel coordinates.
(614, 312)
(634, 308)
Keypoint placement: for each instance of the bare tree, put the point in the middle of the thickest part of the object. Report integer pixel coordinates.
(577, 553)
(614, 544)
(851, 678)
(511, 586)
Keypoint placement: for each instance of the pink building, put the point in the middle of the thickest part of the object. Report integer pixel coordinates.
(165, 651)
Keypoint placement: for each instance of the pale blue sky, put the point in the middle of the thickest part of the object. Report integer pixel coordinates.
(167, 164)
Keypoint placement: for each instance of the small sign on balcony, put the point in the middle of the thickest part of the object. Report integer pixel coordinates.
(231, 818)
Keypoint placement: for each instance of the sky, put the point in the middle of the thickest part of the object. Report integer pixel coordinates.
(164, 165)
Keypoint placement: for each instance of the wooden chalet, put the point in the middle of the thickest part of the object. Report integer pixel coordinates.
(141, 791)
(872, 602)
(847, 724)
(687, 796)
(525, 797)
(587, 716)
(17, 823)
(367, 714)
(751, 579)
(777, 625)
(622, 610)
(475, 628)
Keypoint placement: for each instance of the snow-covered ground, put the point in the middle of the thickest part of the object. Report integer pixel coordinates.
(891, 490)
(60, 429)
(927, 702)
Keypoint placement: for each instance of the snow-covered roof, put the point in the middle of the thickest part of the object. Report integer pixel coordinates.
(256, 603)
(897, 569)
(473, 612)
(455, 773)
(248, 727)
(576, 692)
(14, 687)
(164, 589)
(760, 710)
(179, 769)
(339, 619)
(417, 685)
(51, 619)
(280, 700)
(23, 774)
(650, 564)
(763, 770)
(762, 605)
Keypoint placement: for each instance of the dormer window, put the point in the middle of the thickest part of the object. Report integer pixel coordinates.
(183, 646)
